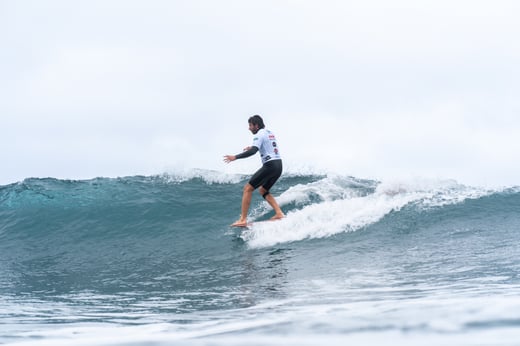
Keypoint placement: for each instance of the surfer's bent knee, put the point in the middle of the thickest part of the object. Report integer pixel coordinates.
(248, 187)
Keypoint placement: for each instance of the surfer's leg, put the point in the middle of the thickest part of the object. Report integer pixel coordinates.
(273, 172)
(246, 201)
(278, 213)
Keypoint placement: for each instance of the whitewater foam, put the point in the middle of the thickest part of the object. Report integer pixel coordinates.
(325, 219)
(180, 175)
(347, 205)
(434, 192)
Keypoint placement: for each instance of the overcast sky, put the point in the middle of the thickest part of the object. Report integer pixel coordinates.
(374, 89)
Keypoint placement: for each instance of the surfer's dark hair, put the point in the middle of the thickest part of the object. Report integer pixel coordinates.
(257, 120)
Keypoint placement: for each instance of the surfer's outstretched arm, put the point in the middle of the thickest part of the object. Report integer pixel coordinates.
(249, 151)
(229, 158)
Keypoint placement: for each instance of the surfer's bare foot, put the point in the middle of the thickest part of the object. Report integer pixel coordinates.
(278, 217)
(239, 223)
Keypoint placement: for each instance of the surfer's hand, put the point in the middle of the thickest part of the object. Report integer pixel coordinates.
(229, 158)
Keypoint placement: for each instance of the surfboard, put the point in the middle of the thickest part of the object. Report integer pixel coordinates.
(247, 225)
(252, 223)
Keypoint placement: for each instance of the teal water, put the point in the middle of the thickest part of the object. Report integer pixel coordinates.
(152, 260)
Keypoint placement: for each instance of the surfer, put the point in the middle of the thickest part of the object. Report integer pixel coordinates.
(265, 142)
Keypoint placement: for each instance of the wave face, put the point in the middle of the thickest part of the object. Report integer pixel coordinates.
(159, 249)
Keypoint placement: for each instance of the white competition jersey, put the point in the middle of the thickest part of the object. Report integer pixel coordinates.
(265, 141)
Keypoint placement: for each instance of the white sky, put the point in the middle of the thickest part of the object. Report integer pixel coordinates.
(374, 89)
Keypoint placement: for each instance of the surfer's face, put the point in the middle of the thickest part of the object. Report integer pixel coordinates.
(253, 128)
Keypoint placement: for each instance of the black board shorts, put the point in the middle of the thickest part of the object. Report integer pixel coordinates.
(267, 175)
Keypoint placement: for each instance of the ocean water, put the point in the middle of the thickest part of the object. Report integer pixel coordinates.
(151, 260)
